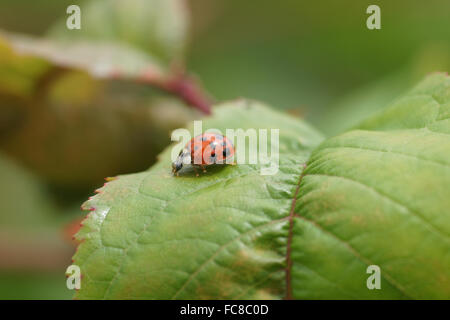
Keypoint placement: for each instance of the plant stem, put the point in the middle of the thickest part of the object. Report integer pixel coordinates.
(183, 86)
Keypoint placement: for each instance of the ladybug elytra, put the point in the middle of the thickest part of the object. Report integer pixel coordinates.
(203, 150)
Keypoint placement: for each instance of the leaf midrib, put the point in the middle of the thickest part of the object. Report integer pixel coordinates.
(289, 295)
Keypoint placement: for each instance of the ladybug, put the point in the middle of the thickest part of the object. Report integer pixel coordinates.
(204, 150)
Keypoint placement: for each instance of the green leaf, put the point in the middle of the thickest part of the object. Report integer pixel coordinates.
(18, 74)
(378, 194)
(153, 235)
(375, 195)
(101, 59)
(159, 27)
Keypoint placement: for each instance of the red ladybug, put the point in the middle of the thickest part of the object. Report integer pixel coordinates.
(204, 150)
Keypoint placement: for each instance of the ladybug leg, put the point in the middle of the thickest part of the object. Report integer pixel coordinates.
(195, 170)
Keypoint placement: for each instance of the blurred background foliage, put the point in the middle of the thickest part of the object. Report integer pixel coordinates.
(71, 115)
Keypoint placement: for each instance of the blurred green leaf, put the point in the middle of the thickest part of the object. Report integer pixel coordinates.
(66, 111)
(69, 101)
(19, 74)
(157, 26)
(375, 195)
(99, 58)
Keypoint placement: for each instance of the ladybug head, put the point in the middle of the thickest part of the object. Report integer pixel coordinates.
(178, 163)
